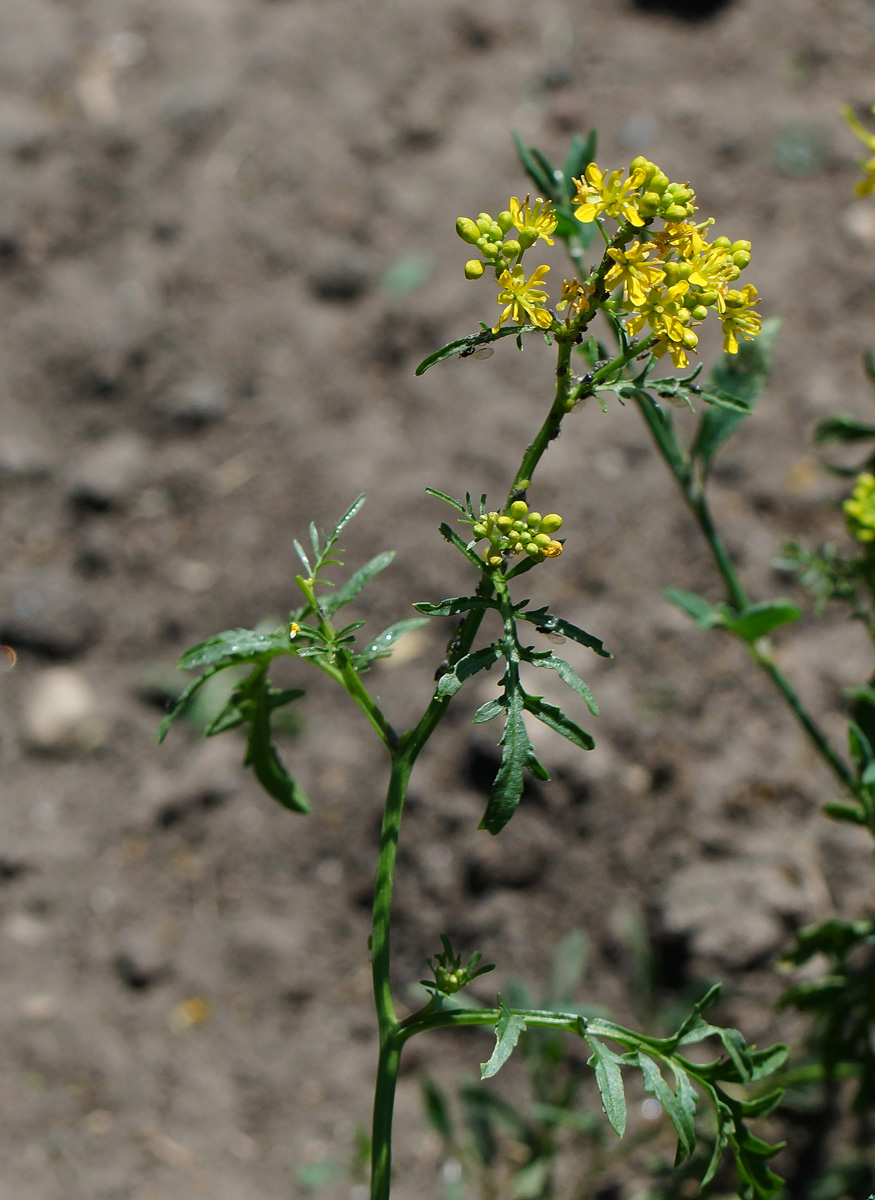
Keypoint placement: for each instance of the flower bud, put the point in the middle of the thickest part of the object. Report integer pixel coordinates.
(690, 339)
(490, 250)
(676, 212)
(741, 244)
(649, 204)
(479, 531)
(722, 243)
(518, 510)
(658, 183)
(551, 523)
(496, 233)
(527, 239)
(473, 268)
(534, 520)
(504, 523)
(541, 540)
(553, 550)
(511, 248)
(467, 230)
(494, 559)
(708, 298)
(700, 312)
(504, 220)
(484, 223)
(533, 550)
(741, 258)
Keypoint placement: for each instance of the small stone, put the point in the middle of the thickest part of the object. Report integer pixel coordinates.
(109, 473)
(61, 714)
(21, 458)
(47, 613)
(143, 962)
(338, 281)
(198, 401)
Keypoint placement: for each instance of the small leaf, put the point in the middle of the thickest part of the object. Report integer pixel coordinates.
(843, 429)
(563, 628)
(706, 615)
(568, 675)
(759, 619)
(185, 697)
(540, 172)
(480, 660)
(679, 1113)
(517, 753)
(449, 534)
(507, 1033)
(437, 1109)
(488, 711)
(381, 645)
(353, 509)
(554, 718)
(609, 1079)
(463, 347)
(454, 606)
(844, 812)
(261, 753)
(349, 590)
(237, 645)
(447, 500)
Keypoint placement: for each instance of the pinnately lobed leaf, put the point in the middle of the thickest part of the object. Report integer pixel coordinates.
(609, 1079)
(508, 1028)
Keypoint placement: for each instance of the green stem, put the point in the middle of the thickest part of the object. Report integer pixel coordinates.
(696, 500)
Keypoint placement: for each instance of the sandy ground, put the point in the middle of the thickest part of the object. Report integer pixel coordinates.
(226, 239)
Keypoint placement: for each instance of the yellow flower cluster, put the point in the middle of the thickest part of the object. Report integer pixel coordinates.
(523, 298)
(860, 509)
(671, 276)
(519, 531)
(867, 183)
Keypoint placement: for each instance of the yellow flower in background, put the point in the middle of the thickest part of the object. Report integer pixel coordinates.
(739, 320)
(867, 183)
(637, 276)
(860, 509)
(523, 298)
(609, 194)
(533, 222)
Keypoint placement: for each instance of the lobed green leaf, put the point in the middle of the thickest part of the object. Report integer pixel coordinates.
(554, 718)
(465, 668)
(349, 590)
(508, 1028)
(609, 1080)
(237, 645)
(381, 645)
(552, 662)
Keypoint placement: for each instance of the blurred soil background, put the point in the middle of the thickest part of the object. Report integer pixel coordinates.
(226, 240)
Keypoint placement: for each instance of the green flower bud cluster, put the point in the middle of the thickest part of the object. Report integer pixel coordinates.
(659, 197)
(519, 531)
(487, 234)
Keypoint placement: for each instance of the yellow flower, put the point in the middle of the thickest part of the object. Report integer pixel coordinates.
(666, 315)
(739, 320)
(713, 270)
(523, 298)
(636, 275)
(609, 194)
(867, 183)
(860, 509)
(533, 222)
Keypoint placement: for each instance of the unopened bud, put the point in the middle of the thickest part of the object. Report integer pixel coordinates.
(534, 520)
(518, 509)
(551, 523)
(473, 268)
(467, 230)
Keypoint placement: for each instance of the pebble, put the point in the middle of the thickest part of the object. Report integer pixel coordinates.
(197, 401)
(109, 473)
(21, 458)
(61, 714)
(46, 612)
(339, 282)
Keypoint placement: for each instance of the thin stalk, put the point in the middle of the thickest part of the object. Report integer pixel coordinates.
(387, 1023)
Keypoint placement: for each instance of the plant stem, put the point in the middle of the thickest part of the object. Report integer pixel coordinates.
(697, 502)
